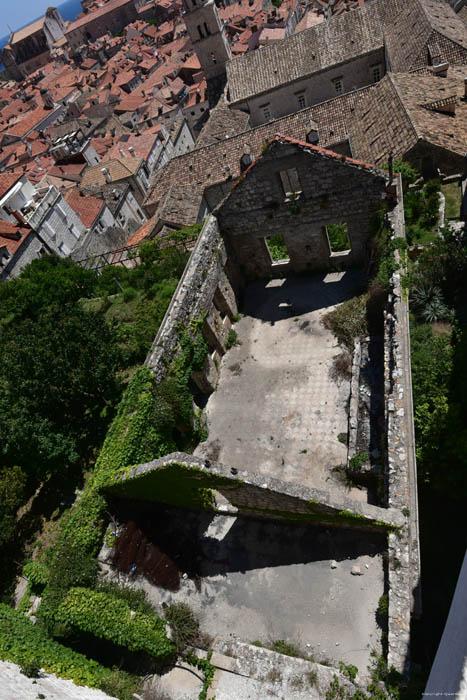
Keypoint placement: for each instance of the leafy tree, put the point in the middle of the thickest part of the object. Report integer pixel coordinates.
(45, 283)
(58, 380)
(12, 485)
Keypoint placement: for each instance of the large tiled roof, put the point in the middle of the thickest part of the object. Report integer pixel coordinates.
(207, 166)
(95, 14)
(419, 26)
(403, 109)
(119, 169)
(223, 123)
(28, 122)
(330, 43)
(28, 30)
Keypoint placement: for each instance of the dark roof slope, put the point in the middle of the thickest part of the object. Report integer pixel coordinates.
(330, 43)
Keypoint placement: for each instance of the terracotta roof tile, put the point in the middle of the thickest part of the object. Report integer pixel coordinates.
(7, 180)
(119, 169)
(86, 206)
(394, 116)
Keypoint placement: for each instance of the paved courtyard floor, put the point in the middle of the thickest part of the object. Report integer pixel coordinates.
(276, 410)
(263, 580)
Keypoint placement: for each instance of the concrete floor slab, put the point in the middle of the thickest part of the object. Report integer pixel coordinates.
(264, 580)
(276, 410)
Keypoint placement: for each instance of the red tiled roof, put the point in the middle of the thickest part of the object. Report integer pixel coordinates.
(142, 232)
(7, 180)
(95, 14)
(86, 207)
(28, 122)
(12, 236)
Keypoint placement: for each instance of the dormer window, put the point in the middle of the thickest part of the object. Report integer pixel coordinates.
(338, 86)
(266, 112)
(301, 99)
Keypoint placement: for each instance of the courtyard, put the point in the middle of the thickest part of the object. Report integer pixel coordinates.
(257, 580)
(276, 409)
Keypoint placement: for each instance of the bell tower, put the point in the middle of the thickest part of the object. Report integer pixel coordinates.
(207, 36)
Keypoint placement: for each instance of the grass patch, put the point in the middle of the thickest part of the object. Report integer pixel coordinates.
(452, 194)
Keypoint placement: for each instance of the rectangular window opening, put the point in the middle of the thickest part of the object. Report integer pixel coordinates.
(376, 74)
(277, 248)
(301, 101)
(338, 86)
(290, 183)
(266, 113)
(338, 238)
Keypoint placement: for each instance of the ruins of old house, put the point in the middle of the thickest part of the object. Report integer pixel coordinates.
(275, 415)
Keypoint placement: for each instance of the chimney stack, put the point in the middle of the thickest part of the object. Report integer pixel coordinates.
(106, 174)
(441, 70)
(132, 151)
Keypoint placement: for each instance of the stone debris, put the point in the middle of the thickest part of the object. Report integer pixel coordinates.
(334, 564)
(356, 570)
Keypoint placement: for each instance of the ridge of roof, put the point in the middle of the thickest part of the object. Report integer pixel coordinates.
(402, 104)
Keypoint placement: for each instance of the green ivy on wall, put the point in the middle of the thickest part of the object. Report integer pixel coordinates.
(108, 617)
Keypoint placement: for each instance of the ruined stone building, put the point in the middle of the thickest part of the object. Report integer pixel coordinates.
(321, 187)
(29, 48)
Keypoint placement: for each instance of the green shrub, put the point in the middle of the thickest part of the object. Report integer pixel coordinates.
(338, 237)
(129, 294)
(184, 625)
(30, 669)
(232, 339)
(348, 321)
(107, 617)
(280, 646)
(136, 599)
(348, 670)
(36, 572)
(357, 461)
(277, 247)
(12, 486)
(383, 605)
(26, 644)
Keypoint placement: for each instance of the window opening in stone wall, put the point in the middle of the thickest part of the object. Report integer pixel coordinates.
(277, 248)
(301, 101)
(338, 238)
(290, 183)
(213, 57)
(376, 74)
(200, 31)
(266, 112)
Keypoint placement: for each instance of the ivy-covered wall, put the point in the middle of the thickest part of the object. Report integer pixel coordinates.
(187, 481)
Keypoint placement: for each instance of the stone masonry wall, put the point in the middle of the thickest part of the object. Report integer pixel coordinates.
(205, 289)
(256, 494)
(401, 470)
(332, 190)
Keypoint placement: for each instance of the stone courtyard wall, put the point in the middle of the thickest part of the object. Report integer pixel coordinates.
(207, 289)
(401, 468)
(250, 493)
